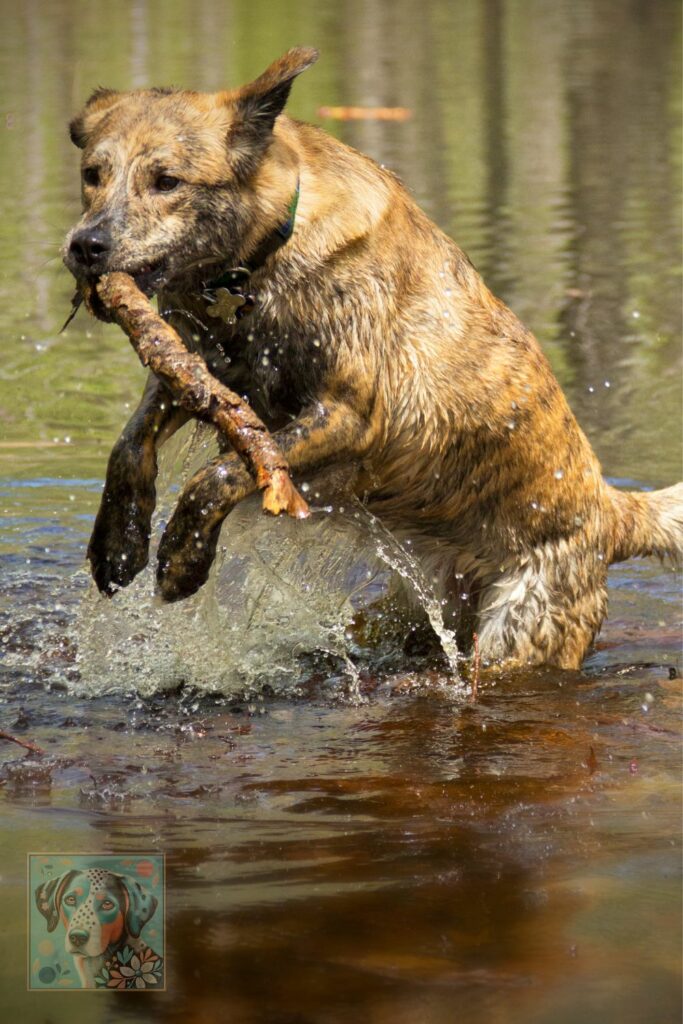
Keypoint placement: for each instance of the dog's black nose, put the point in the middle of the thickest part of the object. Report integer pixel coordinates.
(78, 937)
(90, 247)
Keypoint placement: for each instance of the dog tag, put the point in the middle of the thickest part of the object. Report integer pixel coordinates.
(226, 305)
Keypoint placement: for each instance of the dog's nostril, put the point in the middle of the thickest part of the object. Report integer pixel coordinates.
(89, 246)
(78, 937)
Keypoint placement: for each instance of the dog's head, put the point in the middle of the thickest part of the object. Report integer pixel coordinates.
(98, 909)
(171, 177)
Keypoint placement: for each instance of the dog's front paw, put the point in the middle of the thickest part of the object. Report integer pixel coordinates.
(119, 545)
(184, 558)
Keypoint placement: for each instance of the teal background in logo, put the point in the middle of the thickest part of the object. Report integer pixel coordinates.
(49, 965)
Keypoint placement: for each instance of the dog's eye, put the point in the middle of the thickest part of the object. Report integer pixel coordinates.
(107, 905)
(91, 175)
(166, 183)
(70, 901)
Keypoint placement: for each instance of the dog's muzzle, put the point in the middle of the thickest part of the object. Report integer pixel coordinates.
(77, 939)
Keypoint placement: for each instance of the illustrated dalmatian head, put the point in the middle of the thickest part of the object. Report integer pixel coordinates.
(98, 909)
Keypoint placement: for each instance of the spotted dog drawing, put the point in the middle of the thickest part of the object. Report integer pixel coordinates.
(103, 912)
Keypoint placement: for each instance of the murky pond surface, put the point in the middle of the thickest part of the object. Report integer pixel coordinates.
(349, 845)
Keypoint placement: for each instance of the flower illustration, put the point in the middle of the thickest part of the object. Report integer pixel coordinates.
(130, 970)
(143, 969)
(116, 979)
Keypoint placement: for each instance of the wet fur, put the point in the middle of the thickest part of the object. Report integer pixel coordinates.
(374, 342)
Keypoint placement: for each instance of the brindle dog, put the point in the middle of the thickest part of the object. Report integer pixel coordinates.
(373, 342)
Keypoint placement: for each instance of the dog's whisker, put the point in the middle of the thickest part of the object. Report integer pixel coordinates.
(48, 261)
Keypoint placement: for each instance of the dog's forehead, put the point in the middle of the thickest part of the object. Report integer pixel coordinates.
(178, 124)
(101, 880)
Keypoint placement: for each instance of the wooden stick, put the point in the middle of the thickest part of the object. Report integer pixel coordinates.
(189, 380)
(22, 743)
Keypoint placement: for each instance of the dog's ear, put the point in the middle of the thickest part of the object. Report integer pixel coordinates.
(256, 106)
(140, 905)
(265, 98)
(82, 125)
(49, 897)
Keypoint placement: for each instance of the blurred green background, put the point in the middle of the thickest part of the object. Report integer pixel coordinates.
(545, 138)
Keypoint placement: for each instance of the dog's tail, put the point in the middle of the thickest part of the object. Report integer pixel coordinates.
(648, 523)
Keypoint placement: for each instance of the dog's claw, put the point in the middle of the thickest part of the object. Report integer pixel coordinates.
(113, 571)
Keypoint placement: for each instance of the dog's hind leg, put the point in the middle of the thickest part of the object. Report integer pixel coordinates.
(119, 545)
(546, 609)
(325, 432)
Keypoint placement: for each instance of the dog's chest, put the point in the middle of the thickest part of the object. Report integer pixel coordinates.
(284, 363)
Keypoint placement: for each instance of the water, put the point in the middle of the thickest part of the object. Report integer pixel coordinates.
(348, 835)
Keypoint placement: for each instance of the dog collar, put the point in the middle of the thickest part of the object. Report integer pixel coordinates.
(228, 295)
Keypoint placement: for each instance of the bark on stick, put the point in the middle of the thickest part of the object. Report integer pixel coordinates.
(191, 384)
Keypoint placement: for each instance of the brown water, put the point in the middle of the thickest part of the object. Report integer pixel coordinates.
(411, 856)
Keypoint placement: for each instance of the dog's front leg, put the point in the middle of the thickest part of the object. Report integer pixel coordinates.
(119, 545)
(326, 432)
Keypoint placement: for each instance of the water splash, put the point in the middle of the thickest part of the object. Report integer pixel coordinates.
(282, 601)
(398, 558)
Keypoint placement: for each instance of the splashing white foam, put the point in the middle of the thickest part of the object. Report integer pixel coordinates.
(281, 592)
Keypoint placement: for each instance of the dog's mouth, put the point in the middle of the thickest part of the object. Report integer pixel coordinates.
(150, 278)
